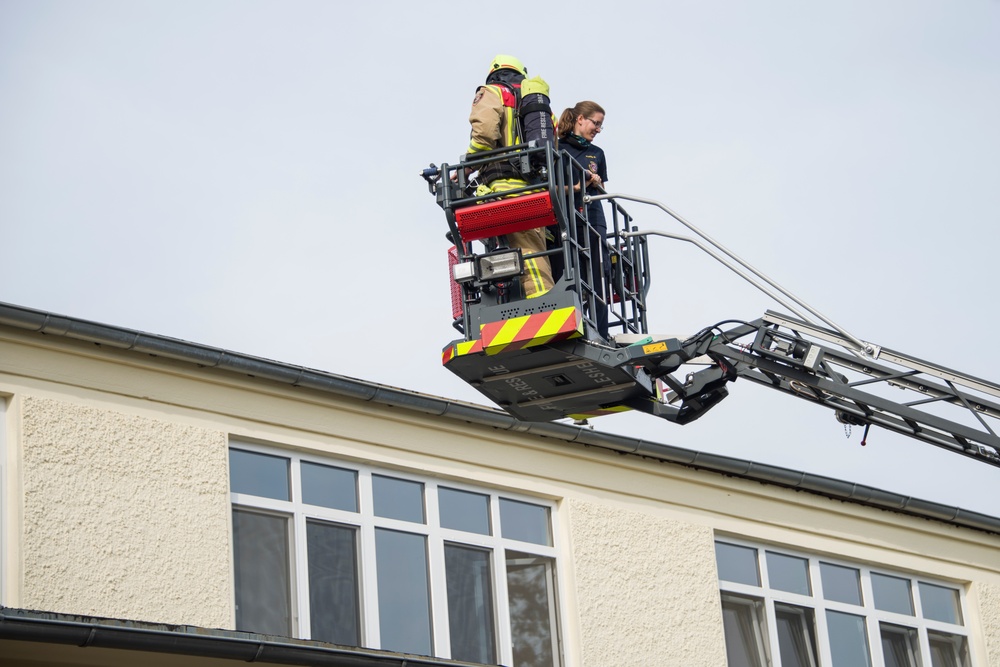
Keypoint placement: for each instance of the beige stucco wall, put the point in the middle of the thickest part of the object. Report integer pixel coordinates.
(647, 589)
(123, 516)
(988, 597)
(119, 504)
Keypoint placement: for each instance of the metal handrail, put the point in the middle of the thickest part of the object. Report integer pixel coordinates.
(860, 347)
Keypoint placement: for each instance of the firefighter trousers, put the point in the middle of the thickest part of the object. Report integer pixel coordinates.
(537, 277)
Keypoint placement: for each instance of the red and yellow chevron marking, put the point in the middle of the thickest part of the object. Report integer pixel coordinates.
(531, 330)
(457, 350)
(615, 409)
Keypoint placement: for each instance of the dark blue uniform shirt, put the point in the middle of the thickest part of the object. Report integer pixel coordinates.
(591, 157)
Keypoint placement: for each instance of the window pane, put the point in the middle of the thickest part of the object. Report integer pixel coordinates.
(796, 636)
(948, 650)
(742, 624)
(892, 594)
(470, 604)
(841, 584)
(403, 600)
(737, 564)
(848, 640)
(461, 510)
(531, 598)
(333, 583)
(261, 566)
(900, 646)
(398, 498)
(787, 573)
(326, 486)
(940, 603)
(258, 474)
(525, 522)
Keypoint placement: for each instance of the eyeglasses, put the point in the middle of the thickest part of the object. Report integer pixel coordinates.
(596, 124)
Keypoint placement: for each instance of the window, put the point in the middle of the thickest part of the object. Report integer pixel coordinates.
(796, 635)
(789, 609)
(743, 619)
(357, 556)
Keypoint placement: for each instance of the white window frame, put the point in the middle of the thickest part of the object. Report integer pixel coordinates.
(436, 536)
(873, 617)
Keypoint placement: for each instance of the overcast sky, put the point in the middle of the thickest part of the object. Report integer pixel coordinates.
(243, 174)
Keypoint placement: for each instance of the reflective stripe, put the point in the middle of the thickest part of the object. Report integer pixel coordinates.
(536, 283)
(615, 409)
(459, 349)
(509, 100)
(520, 332)
(531, 330)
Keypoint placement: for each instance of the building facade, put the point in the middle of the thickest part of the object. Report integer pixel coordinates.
(179, 502)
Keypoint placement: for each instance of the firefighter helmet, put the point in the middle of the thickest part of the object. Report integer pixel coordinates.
(508, 62)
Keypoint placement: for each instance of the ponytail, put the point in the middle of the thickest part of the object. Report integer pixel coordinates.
(565, 123)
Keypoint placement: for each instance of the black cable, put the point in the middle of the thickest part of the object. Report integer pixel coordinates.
(718, 325)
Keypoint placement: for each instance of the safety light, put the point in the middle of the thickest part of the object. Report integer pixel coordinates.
(464, 272)
(499, 265)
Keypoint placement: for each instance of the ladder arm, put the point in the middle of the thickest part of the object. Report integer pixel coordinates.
(949, 409)
(821, 363)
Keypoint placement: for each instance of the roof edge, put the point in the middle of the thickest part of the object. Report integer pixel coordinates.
(116, 634)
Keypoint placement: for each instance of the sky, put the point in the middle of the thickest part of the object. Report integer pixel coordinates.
(244, 174)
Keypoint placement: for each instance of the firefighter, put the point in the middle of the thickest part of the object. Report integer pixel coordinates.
(494, 125)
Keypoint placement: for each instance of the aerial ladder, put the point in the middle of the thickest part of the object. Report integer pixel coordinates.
(543, 359)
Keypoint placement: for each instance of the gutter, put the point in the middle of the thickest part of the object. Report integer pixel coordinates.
(298, 376)
(92, 632)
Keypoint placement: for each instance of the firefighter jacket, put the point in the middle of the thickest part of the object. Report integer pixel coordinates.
(493, 120)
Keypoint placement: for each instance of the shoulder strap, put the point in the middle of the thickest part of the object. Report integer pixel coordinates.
(535, 106)
(511, 96)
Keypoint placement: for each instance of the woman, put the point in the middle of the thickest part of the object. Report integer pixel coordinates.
(577, 129)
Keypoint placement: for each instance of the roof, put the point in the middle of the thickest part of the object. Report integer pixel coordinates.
(67, 639)
(226, 361)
